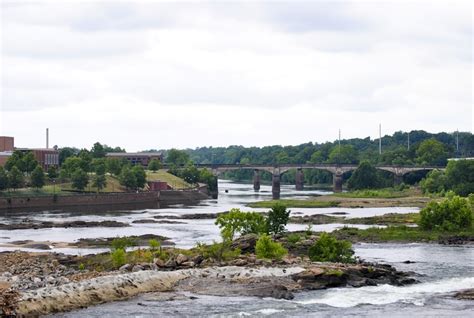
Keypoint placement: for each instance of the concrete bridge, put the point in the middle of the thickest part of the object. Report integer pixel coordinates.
(337, 171)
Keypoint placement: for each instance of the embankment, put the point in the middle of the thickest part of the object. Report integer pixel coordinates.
(108, 201)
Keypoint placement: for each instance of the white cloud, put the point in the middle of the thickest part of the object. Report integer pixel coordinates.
(144, 74)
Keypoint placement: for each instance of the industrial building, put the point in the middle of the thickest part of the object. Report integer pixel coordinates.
(142, 158)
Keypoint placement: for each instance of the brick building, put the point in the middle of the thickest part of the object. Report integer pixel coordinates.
(142, 158)
(46, 157)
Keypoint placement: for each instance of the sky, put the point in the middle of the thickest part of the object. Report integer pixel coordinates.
(159, 75)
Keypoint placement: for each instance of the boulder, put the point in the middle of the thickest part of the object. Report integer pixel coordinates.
(245, 243)
(180, 259)
(126, 267)
(467, 294)
(189, 264)
(159, 262)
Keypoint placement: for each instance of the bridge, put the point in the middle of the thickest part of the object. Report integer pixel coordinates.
(337, 171)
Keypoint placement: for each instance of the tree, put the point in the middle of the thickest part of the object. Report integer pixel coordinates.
(140, 176)
(52, 172)
(364, 177)
(99, 181)
(154, 165)
(70, 165)
(431, 152)
(346, 154)
(277, 218)
(127, 178)
(79, 179)
(268, 249)
(177, 157)
(113, 166)
(329, 249)
(65, 153)
(29, 162)
(16, 179)
(98, 151)
(3, 179)
(190, 174)
(435, 182)
(240, 222)
(37, 177)
(460, 176)
(452, 214)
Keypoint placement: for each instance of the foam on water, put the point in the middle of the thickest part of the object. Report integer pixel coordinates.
(387, 294)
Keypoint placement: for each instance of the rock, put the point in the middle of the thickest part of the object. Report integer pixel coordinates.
(408, 262)
(189, 264)
(159, 262)
(198, 259)
(171, 263)
(126, 267)
(180, 259)
(467, 294)
(245, 243)
(275, 291)
(239, 262)
(137, 268)
(36, 280)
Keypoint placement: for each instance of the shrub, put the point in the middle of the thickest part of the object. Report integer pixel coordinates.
(267, 248)
(122, 243)
(330, 249)
(240, 222)
(293, 238)
(452, 214)
(119, 257)
(218, 251)
(277, 218)
(154, 245)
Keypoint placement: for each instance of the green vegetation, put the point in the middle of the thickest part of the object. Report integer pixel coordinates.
(154, 165)
(172, 180)
(459, 177)
(365, 177)
(293, 238)
(16, 179)
(218, 251)
(37, 178)
(387, 193)
(452, 214)
(119, 257)
(240, 222)
(277, 218)
(386, 219)
(329, 249)
(79, 179)
(122, 243)
(266, 248)
(295, 204)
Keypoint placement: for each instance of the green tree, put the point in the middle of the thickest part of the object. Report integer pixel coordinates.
(79, 179)
(16, 160)
(436, 181)
(16, 179)
(65, 153)
(329, 249)
(154, 165)
(177, 157)
(113, 166)
(86, 160)
(460, 176)
(431, 152)
(347, 154)
(29, 162)
(98, 151)
(99, 181)
(240, 222)
(364, 177)
(38, 177)
(70, 165)
(277, 218)
(3, 179)
(127, 178)
(268, 249)
(452, 214)
(52, 172)
(190, 174)
(140, 176)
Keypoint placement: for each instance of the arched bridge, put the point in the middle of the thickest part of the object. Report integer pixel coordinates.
(337, 171)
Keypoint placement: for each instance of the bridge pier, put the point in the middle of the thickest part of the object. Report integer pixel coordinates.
(299, 179)
(256, 180)
(337, 182)
(397, 179)
(276, 186)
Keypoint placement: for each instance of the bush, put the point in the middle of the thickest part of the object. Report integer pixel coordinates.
(277, 218)
(293, 238)
(122, 243)
(240, 222)
(330, 249)
(267, 248)
(154, 245)
(119, 257)
(452, 214)
(218, 251)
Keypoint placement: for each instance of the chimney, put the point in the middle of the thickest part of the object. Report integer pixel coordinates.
(47, 138)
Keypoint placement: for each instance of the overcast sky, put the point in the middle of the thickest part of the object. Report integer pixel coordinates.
(149, 74)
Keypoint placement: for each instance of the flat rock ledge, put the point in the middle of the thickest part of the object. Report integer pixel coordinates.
(122, 286)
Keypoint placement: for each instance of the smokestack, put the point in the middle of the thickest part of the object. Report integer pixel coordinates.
(47, 138)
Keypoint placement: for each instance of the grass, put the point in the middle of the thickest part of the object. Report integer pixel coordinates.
(387, 219)
(174, 181)
(388, 193)
(295, 204)
(397, 234)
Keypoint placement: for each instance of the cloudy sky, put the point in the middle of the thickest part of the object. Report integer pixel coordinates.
(149, 74)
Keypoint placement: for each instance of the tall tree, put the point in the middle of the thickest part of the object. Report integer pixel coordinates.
(3, 179)
(16, 179)
(431, 152)
(79, 179)
(177, 157)
(140, 176)
(364, 177)
(127, 178)
(37, 177)
(98, 151)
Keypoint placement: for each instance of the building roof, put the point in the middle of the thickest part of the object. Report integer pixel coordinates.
(134, 154)
(38, 149)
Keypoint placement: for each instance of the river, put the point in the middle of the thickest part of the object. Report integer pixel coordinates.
(440, 269)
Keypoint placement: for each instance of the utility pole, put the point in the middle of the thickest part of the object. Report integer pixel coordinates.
(408, 141)
(380, 139)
